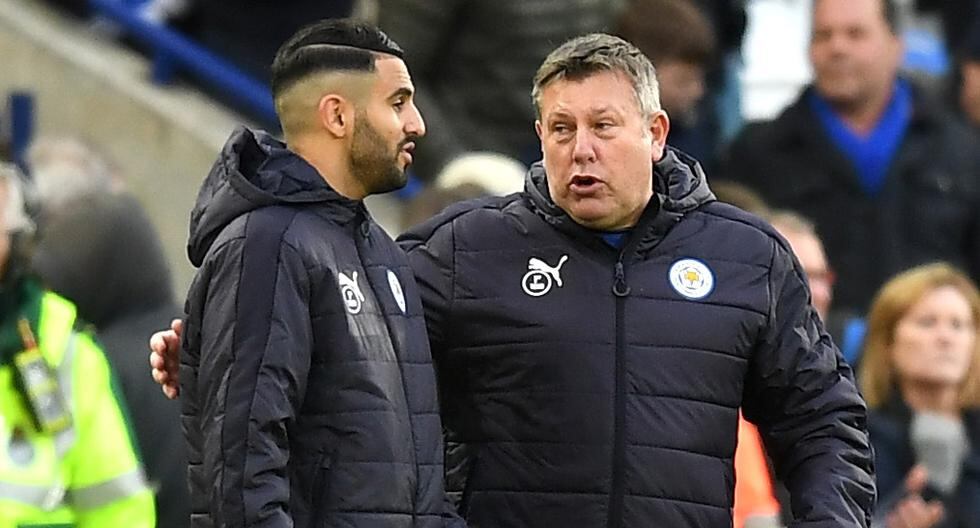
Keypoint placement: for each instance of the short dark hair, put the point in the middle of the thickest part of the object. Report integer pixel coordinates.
(969, 49)
(889, 9)
(330, 45)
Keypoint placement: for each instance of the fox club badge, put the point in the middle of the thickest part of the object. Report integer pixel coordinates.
(691, 278)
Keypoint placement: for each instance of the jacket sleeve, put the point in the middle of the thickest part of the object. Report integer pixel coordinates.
(256, 342)
(801, 394)
(107, 486)
(431, 255)
(425, 28)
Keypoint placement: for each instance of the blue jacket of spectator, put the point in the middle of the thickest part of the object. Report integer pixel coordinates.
(927, 210)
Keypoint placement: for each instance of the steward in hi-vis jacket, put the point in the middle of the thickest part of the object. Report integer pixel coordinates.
(67, 457)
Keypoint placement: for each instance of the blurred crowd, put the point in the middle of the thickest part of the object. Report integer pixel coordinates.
(872, 176)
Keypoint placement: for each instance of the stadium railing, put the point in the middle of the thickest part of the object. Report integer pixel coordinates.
(173, 52)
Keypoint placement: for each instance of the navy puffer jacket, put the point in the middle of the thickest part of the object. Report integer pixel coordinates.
(308, 392)
(587, 386)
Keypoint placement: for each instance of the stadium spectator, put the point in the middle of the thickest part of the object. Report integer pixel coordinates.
(249, 37)
(887, 176)
(472, 61)
(101, 251)
(66, 455)
(921, 378)
(969, 75)
(469, 176)
(680, 42)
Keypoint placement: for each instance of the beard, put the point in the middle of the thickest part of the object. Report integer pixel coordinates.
(372, 162)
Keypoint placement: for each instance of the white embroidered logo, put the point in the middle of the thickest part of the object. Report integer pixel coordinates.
(396, 290)
(540, 276)
(691, 278)
(349, 290)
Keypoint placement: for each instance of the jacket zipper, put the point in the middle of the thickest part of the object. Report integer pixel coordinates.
(616, 497)
(365, 230)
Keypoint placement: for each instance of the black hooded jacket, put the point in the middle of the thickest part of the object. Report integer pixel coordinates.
(309, 396)
(588, 386)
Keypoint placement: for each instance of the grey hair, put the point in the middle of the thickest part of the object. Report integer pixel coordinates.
(64, 168)
(17, 219)
(589, 54)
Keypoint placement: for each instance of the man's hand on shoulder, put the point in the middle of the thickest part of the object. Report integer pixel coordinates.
(165, 358)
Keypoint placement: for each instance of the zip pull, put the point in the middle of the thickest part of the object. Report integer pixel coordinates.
(620, 288)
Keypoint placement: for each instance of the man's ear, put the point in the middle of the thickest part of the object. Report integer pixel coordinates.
(659, 126)
(539, 129)
(898, 51)
(336, 114)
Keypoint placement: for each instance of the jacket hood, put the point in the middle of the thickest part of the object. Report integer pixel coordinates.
(255, 170)
(679, 185)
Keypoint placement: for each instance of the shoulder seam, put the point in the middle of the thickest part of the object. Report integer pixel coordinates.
(498, 205)
(738, 221)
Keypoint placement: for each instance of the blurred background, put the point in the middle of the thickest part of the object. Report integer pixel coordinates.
(133, 99)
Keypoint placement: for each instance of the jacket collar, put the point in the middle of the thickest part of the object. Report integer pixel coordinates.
(256, 170)
(798, 121)
(679, 184)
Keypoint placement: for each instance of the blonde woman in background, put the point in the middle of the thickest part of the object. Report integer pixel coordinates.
(921, 379)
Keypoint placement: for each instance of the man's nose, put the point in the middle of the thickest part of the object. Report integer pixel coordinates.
(697, 90)
(946, 333)
(839, 43)
(584, 150)
(415, 125)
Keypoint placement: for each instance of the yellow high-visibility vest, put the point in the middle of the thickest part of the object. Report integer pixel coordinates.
(87, 475)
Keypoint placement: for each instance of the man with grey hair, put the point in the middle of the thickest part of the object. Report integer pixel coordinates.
(596, 334)
(64, 168)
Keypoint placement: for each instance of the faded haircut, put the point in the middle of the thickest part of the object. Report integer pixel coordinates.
(330, 45)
